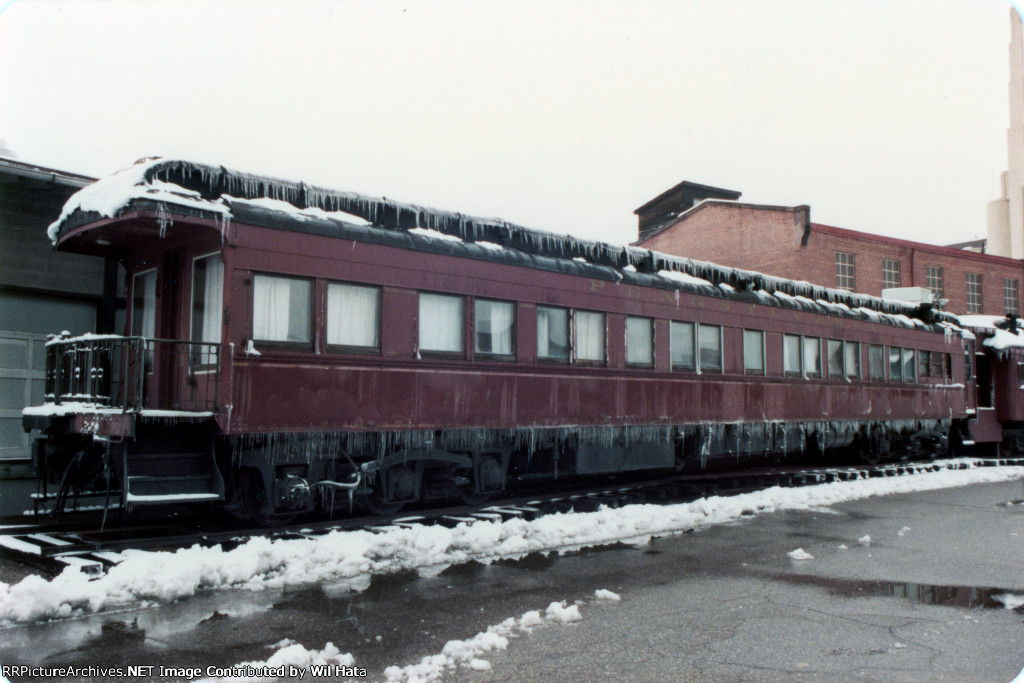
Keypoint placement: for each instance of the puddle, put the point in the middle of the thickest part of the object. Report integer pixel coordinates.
(925, 594)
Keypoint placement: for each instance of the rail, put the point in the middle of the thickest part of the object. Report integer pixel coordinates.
(133, 373)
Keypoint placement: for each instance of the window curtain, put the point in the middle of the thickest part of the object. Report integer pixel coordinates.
(639, 345)
(271, 308)
(353, 316)
(441, 323)
(144, 305)
(791, 356)
(552, 332)
(682, 345)
(753, 351)
(812, 356)
(494, 325)
(213, 299)
(590, 332)
(852, 353)
(709, 339)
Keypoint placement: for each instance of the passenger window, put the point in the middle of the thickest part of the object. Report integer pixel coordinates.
(835, 359)
(923, 363)
(852, 353)
(812, 357)
(682, 346)
(639, 341)
(909, 366)
(281, 310)
(590, 331)
(895, 364)
(552, 333)
(791, 364)
(441, 324)
(753, 352)
(353, 317)
(494, 328)
(876, 362)
(709, 342)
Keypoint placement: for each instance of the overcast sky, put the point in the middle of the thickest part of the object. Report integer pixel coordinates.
(887, 116)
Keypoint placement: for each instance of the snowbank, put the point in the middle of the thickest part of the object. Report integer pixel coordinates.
(262, 563)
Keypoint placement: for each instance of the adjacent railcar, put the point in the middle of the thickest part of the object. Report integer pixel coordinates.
(999, 378)
(287, 342)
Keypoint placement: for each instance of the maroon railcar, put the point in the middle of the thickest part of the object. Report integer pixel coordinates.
(998, 351)
(277, 347)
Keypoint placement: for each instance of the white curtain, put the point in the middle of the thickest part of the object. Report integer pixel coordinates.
(852, 353)
(441, 323)
(753, 351)
(353, 315)
(639, 345)
(552, 332)
(271, 304)
(494, 327)
(812, 356)
(791, 356)
(709, 342)
(213, 299)
(682, 345)
(144, 305)
(590, 333)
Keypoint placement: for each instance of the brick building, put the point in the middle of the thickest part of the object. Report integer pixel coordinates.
(782, 241)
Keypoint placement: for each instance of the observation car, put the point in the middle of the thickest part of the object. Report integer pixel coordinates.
(287, 342)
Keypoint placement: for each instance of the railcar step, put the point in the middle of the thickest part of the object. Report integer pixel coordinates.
(16, 545)
(50, 540)
(163, 499)
(133, 457)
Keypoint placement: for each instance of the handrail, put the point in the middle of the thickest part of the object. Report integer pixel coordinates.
(133, 373)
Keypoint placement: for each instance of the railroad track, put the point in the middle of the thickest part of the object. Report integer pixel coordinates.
(94, 551)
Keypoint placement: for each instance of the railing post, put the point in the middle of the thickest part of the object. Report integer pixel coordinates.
(54, 354)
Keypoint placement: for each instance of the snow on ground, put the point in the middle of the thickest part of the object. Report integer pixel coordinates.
(289, 658)
(800, 554)
(466, 653)
(602, 594)
(262, 563)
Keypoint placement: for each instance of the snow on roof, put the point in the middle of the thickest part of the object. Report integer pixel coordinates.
(216, 189)
(993, 329)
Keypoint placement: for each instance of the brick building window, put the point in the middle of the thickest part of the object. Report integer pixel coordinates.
(1011, 296)
(890, 273)
(974, 292)
(933, 280)
(844, 271)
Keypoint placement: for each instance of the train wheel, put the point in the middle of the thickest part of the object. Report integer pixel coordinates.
(491, 478)
(256, 502)
(869, 451)
(397, 482)
(470, 497)
(377, 505)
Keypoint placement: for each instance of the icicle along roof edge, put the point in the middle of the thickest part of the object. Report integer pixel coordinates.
(210, 187)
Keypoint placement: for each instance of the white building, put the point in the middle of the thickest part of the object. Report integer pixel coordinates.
(1006, 214)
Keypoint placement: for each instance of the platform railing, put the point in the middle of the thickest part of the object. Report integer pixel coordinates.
(133, 373)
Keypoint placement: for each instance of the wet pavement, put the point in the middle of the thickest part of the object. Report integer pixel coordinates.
(916, 603)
